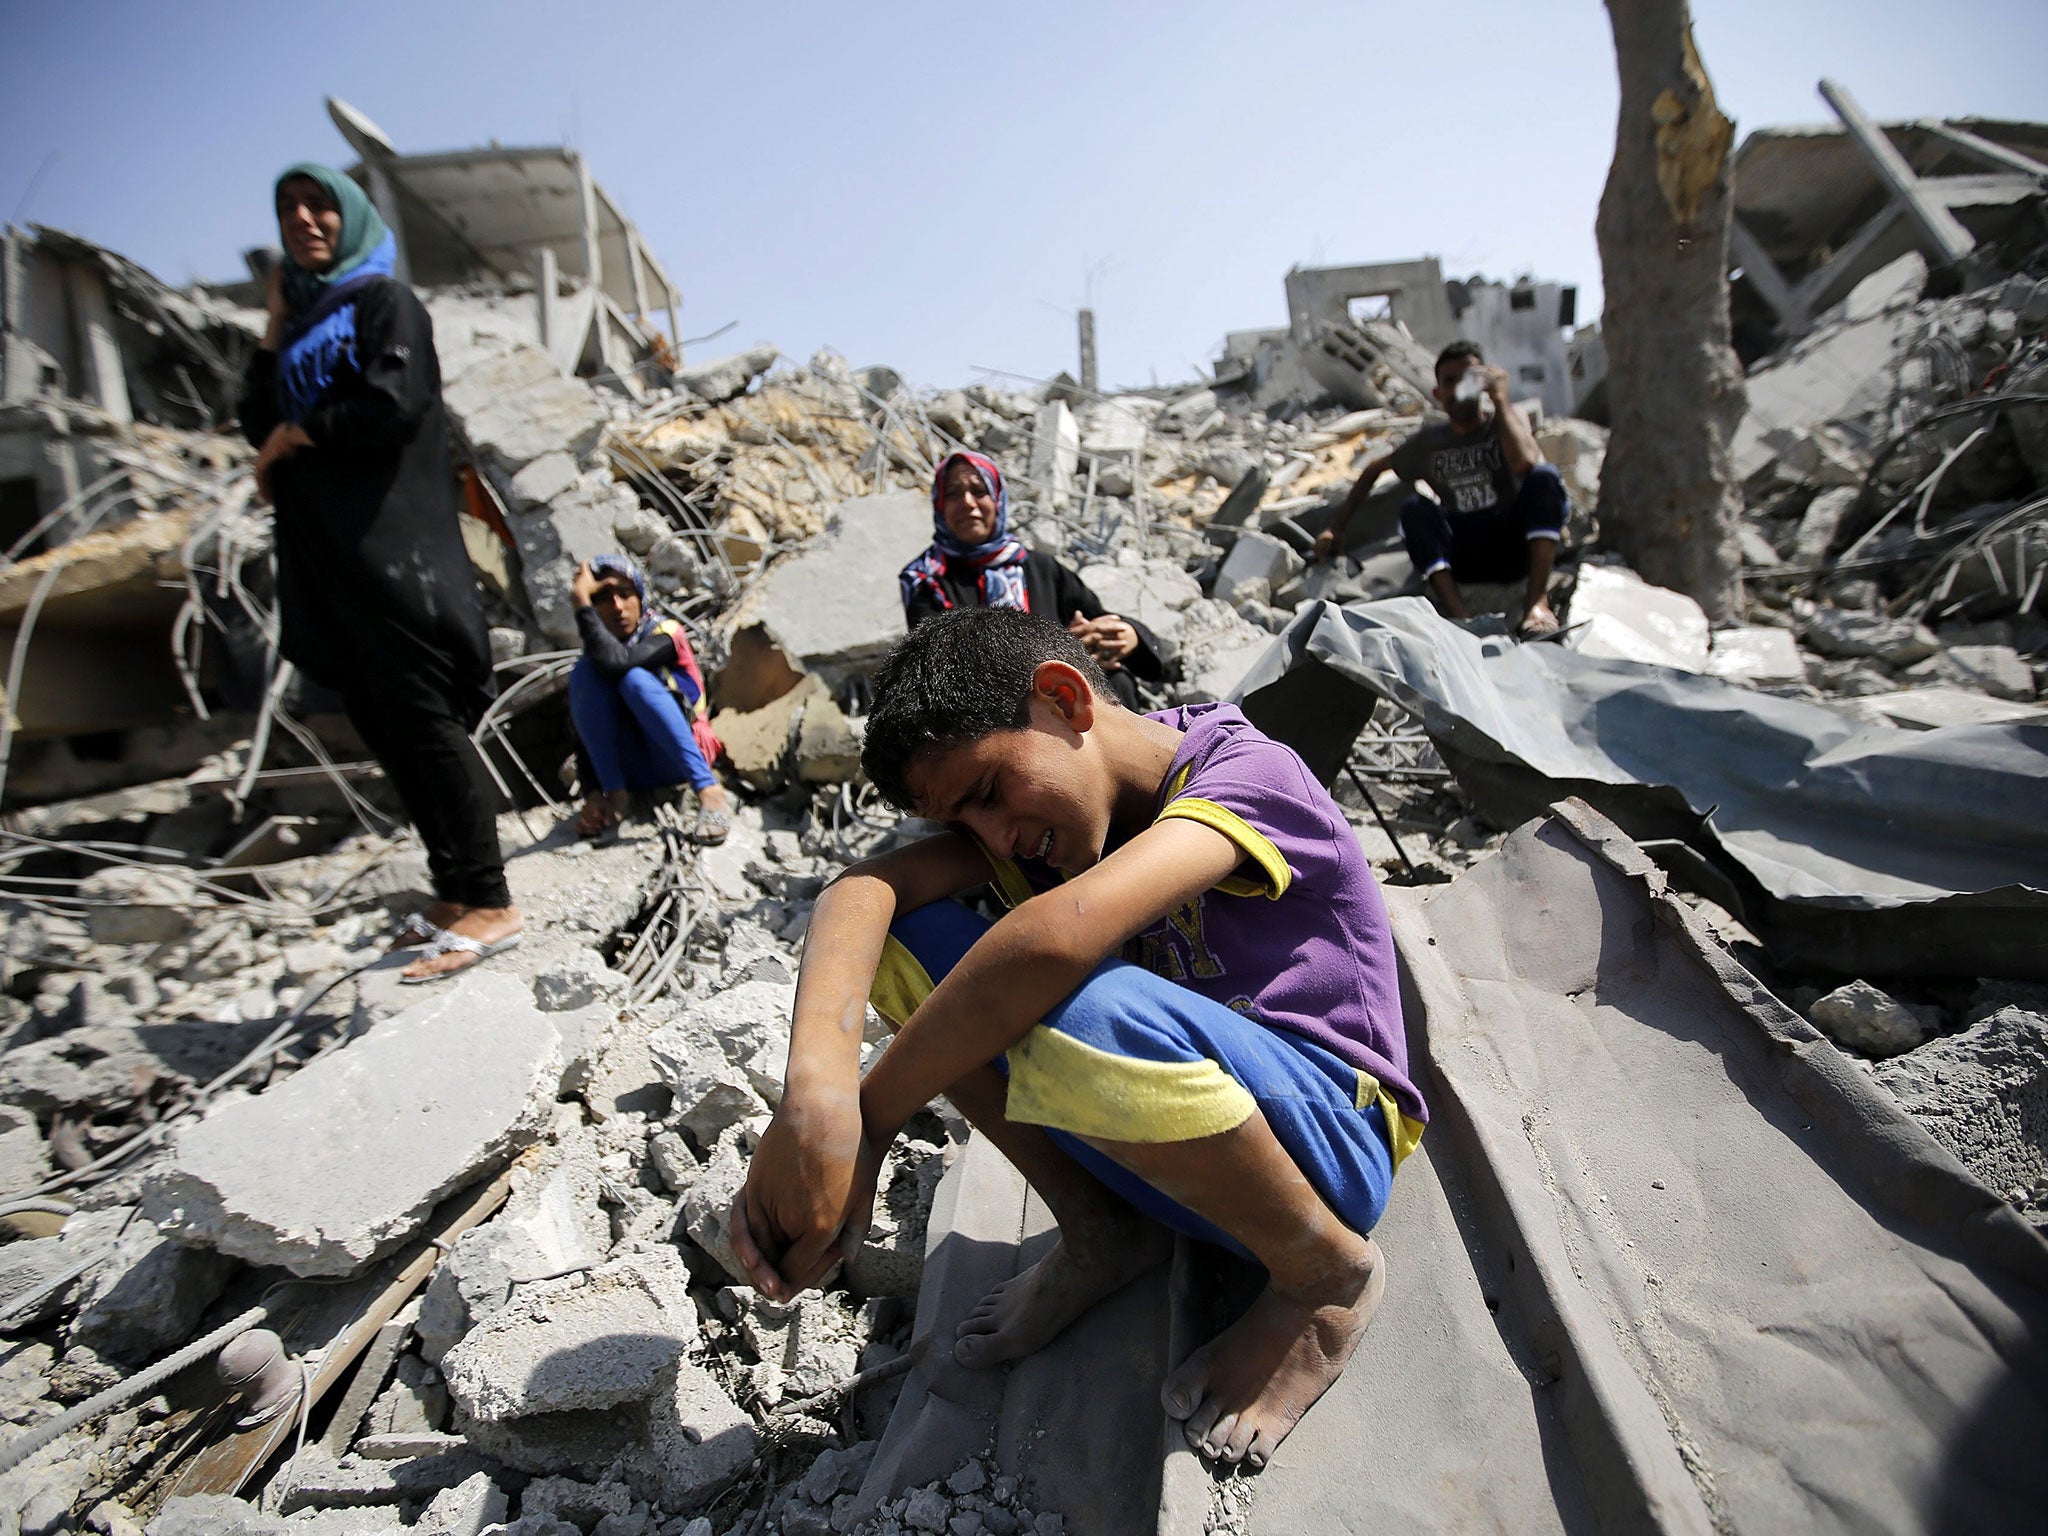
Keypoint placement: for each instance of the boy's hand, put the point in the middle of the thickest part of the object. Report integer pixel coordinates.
(811, 1182)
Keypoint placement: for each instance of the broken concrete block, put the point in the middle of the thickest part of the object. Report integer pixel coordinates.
(680, 1448)
(834, 608)
(578, 1342)
(214, 1514)
(1978, 1093)
(1758, 654)
(1616, 614)
(708, 1203)
(1055, 452)
(1863, 1018)
(24, 1159)
(344, 1161)
(1997, 669)
(1818, 523)
(518, 406)
(577, 981)
(727, 378)
(744, 1017)
(147, 1298)
(710, 1093)
(581, 1504)
(551, 1222)
(813, 1342)
(758, 742)
(468, 1509)
(136, 906)
(1895, 642)
(352, 1482)
(1217, 648)
(31, 1264)
(673, 1162)
(1153, 592)
(890, 1259)
(827, 745)
(544, 481)
(1255, 557)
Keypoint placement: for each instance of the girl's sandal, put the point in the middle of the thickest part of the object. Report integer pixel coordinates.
(712, 828)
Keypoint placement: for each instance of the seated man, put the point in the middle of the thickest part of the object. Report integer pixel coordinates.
(637, 700)
(1498, 509)
(1244, 1081)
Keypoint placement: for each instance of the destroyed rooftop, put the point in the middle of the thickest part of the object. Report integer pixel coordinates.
(1760, 1082)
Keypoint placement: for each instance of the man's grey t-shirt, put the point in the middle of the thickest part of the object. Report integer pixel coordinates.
(1466, 470)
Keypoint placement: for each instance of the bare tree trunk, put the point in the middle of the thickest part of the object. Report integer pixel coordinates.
(1674, 387)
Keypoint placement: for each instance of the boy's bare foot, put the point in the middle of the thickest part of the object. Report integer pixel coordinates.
(487, 925)
(1089, 1263)
(1241, 1394)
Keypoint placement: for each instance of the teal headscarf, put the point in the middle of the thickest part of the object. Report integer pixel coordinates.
(362, 232)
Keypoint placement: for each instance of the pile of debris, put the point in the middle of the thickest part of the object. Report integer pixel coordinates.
(486, 1229)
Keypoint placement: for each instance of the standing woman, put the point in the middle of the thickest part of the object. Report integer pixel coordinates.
(375, 591)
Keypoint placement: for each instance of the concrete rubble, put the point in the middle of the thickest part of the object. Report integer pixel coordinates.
(205, 1056)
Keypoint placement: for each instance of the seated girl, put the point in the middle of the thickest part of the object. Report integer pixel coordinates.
(637, 700)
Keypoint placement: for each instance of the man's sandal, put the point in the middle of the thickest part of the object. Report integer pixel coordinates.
(457, 944)
(712, 828)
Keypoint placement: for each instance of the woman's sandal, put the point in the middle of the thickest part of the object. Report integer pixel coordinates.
(712, 828)
(457, 944)
(414, 930)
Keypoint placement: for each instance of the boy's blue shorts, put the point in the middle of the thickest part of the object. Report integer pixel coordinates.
(1132, 1057)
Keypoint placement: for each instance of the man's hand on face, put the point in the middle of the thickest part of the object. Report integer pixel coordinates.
(810, 1188)
(1496, 383)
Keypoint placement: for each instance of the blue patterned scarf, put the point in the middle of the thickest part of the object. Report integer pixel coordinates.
(998, 562)
(320, 340)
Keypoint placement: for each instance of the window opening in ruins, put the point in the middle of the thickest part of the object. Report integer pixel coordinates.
(20, 509)
(1369, 306)
(1521, 298)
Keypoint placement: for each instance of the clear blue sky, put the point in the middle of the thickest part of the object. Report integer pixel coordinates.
(927, 185)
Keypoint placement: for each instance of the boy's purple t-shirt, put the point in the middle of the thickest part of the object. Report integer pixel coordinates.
(1298, 936)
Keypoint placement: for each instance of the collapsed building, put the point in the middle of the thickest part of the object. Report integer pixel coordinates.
(289, 1251)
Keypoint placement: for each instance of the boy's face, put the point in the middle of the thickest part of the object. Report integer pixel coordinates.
(1036, 793)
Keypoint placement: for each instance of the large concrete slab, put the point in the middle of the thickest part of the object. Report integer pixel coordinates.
(834, 608)
(341, 1163)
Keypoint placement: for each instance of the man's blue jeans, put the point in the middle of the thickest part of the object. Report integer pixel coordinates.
(1486, 546)
(634, 731)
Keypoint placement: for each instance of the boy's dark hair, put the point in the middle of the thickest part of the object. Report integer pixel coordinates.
(1458, 351)
(958, 676)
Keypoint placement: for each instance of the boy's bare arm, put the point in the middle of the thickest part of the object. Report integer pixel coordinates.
(800, 1182)
(1033, 960)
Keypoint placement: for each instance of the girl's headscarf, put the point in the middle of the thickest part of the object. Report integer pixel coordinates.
(320, 338)
(605, 566)
(998, 561)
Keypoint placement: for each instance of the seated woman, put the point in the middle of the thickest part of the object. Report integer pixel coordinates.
(637, 700)
(974, 563)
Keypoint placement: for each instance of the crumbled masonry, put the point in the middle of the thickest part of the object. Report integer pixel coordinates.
(206, 1058)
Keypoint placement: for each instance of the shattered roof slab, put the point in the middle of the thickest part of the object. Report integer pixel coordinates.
(1801, 189)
